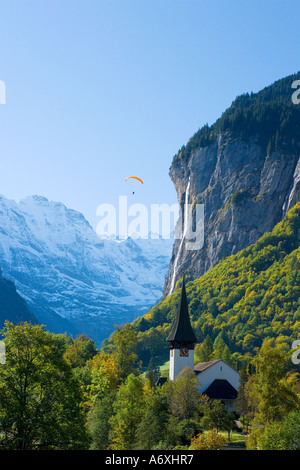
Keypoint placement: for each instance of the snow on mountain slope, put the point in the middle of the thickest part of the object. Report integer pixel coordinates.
(71, 279)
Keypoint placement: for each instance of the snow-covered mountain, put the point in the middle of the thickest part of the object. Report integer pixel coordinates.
(72, 280)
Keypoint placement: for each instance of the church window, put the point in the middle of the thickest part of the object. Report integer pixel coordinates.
(184, 352)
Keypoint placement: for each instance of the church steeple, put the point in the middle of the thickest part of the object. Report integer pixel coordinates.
(182, 331)
(181, 338)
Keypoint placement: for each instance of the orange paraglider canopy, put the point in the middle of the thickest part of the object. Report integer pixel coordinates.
(134, 177)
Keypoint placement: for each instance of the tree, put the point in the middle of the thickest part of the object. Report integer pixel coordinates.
(221, 350)
(184, 395)
(153, 373)
(291, 430)
(271, 392)
(241, 403)
(99, 417)
(80, 351)
(152, 428)
(204, 351)
(129, 409)
(209, 441)
(125, 343)
(103, 375)
(281, 435)
(40, 398)
(216, 417)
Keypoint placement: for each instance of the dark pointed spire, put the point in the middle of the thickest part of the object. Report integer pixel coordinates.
(182, 331)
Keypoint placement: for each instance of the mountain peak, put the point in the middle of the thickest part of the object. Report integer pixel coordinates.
(35, 198)
(71, 280)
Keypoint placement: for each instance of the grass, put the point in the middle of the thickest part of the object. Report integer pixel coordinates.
(164, 367)
(237, 440)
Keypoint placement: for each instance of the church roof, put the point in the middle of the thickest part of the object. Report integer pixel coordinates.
(182, 330)
(201, 366)
(221, 389)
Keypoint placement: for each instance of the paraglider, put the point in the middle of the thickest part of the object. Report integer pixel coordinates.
(134, 177)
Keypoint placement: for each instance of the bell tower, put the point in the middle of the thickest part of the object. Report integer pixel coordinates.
(181, 338)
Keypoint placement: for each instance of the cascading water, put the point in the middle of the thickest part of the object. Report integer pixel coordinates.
(185, 226)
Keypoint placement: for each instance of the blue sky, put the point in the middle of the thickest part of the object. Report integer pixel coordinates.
(98, 90)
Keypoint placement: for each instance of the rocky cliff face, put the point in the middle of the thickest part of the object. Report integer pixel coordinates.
(244, 191)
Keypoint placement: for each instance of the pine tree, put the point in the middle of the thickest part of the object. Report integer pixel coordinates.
(205, 350)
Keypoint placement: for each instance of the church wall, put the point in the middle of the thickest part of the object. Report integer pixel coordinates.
(178, 363)
(219, 370)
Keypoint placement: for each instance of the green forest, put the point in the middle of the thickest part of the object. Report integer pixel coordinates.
(244, 299)
(269, 117)
(57, 392)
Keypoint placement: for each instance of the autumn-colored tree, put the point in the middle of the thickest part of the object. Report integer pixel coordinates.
(103, 374)
(208, 441)
(283, 435)
(271, 391)
(125, 343)
(80, 351)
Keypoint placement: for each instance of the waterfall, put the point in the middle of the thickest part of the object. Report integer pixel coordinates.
(185, 226)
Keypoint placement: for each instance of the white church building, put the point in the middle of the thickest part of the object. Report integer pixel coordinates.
(217, 379)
